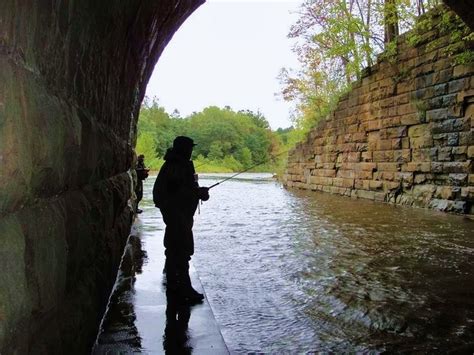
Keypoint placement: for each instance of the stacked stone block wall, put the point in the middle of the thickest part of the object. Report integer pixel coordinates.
(404, 134)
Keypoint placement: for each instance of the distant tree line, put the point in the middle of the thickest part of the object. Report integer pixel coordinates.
(226, 140)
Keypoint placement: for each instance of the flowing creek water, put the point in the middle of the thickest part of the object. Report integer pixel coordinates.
(298, 271)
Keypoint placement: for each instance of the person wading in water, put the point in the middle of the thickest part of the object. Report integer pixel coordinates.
(177, 193)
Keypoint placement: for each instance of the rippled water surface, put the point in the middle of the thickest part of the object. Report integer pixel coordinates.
(296, 271)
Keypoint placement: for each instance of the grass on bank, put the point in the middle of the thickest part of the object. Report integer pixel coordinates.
(226, 165)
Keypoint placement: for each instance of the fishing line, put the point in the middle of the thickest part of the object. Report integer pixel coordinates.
(243, 171)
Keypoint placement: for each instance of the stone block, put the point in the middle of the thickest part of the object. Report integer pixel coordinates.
(353, 128)
(424, 154)
(424, 192)
(443, 76)
(369, 195)
(401, 99)
(467, 192)
(361, 184)
(421, 142)
(460, 153)
(420, 130)
(348, 183)
(466, 138)
(390, 185)
(411, 119)
(366, 156)
(328, 166)
(420, 178)
(406, 109)
(391, 122)
(365, 166)
(441, 64)
(384, 175)
(363, 175)
(434, 103)
(471, 179)
(458, 85)
(444, 192)
(379, 196)
(436, 167)
(440, 89)
(382, 156)
(327, 189)
(320, 180)
(463, 70)
(353, 157)
(347, 174)
(375, 185)
(453, 139)
(405, 86)
(324, 172)
(424, 167)
(450, 100)
(406, 177)
(462, 124)
(402, 155)
(328, 158)
(437, 114)
(337, 182)
(446, 139)
(373, 125)
(458, 179)
(382, 144)
(395, 132)
(359, 137)
(470, 152)
(444, 126)
(388, 166)
(448, 205)
(457, 167)
(444, 153)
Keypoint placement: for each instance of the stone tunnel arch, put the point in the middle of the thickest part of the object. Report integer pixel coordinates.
(72, 77)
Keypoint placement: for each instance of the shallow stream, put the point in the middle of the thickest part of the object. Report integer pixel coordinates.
(297, 271)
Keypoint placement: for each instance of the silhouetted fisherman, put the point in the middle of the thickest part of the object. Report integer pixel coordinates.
(142, 174)
(176, 193)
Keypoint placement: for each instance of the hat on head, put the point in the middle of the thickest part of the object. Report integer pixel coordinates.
(182, 142)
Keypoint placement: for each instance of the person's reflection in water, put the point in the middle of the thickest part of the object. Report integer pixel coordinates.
(175, 339)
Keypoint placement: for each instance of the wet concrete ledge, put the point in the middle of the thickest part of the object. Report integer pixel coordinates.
(139, 318)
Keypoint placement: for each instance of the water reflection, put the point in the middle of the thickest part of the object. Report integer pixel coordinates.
(176, 337)
(302, 271)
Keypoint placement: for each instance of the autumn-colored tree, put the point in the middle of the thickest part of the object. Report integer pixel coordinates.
(335, 41)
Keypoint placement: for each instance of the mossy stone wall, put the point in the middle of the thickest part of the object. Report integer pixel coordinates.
(404, 134)
(72, 77)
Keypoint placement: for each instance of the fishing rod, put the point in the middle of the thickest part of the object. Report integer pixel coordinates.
(243, 171)
(200, 165)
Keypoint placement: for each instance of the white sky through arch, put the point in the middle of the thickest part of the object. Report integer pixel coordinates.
(229, 53)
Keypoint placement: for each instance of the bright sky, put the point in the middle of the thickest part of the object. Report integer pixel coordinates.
(229, 53)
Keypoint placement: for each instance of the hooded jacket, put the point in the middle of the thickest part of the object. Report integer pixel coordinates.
(176, 189)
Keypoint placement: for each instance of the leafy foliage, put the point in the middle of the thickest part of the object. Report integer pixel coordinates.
(227, 140)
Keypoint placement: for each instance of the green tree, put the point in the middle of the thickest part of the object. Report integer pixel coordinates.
(215, 151)
(227, 140)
